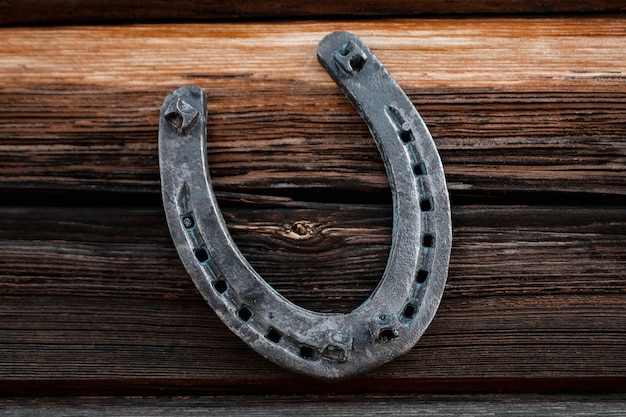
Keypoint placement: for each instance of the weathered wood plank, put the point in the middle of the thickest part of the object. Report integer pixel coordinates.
(54, 11)
(513, 104)
(96, 301)
(340, 406)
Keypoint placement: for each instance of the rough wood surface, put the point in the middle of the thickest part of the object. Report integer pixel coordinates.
(514, 104)
(55, 11)
(530, 119)
(99, 300)
(339, 406)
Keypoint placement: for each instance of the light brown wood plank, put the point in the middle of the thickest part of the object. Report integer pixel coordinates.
(96, 301)
(529, 105)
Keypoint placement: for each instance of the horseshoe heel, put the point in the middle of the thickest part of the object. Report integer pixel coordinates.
(396, 314)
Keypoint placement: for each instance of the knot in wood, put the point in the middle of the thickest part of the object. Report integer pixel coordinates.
(301, 229)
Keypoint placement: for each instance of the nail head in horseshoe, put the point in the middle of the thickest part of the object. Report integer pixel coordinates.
(394, 317)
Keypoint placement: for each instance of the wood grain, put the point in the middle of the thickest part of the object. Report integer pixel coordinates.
(530, 119)
(55, 11)
(339, 406)
(535, 300)
(514, 105)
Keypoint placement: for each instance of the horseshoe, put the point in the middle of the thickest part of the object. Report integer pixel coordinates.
(393, 318)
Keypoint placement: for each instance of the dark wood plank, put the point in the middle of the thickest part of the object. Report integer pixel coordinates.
(340, 406)
(37, 11)
(513, 104)
(95, 300)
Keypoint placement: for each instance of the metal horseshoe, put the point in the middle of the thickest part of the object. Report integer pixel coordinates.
(393, 318)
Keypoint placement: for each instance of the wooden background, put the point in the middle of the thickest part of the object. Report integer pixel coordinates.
(528, 112)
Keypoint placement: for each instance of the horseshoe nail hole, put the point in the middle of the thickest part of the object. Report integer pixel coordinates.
(188, 221)
(422, 275)
(428, 240)
(307, 352)
(387, 335)
(406, 136)
(426, 204)
(245, 314)
(220, 286)
(409, 311)
(273, 335)
(202, 255)
(419, 169)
